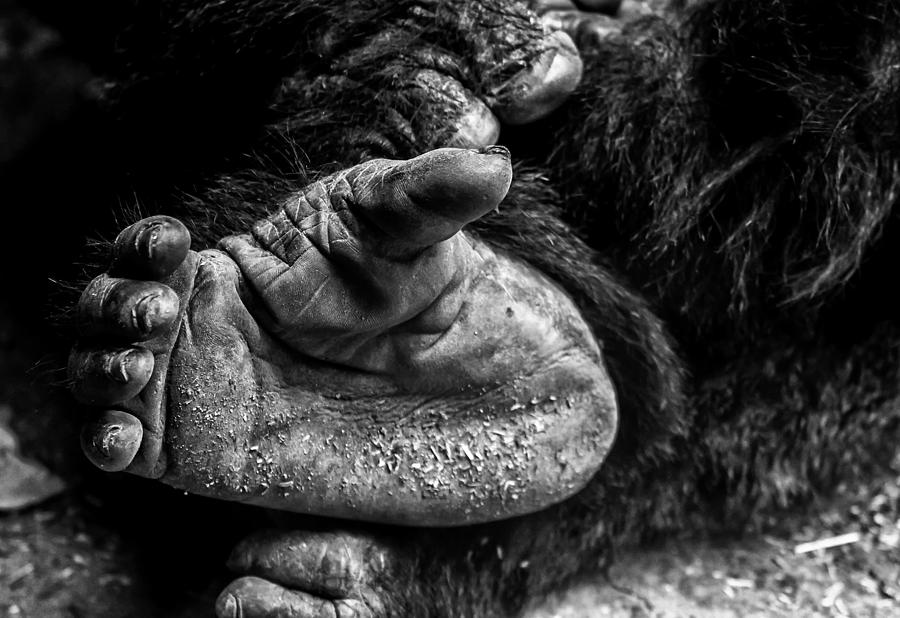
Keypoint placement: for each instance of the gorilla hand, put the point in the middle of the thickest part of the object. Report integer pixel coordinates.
(355, 356)
(429, 75)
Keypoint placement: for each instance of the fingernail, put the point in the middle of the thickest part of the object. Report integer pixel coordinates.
(476, 128)
(543, 87)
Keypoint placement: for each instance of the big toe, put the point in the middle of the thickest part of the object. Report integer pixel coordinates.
(422, 201)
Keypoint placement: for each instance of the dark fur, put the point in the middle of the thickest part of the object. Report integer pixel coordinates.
(732, 169)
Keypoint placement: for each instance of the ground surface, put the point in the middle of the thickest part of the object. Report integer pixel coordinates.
(759, 575)
(112, 546)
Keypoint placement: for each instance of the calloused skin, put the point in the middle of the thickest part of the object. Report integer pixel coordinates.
(311, 398)
(355, 356)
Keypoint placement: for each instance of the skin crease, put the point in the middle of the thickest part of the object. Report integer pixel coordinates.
(311, 355)
(567, 471)
(312, 449)
(121, 425)
(684, 105)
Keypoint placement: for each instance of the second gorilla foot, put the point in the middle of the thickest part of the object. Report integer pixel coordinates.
(304, 573)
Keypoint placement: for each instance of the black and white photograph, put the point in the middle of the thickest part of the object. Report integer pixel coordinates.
(450, 308)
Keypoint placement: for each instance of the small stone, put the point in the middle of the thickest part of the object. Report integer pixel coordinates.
(23, 481)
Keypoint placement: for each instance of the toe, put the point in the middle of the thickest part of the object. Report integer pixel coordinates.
(427, 199)
(106, 376)
(362, 250)
(331, 564)
(253, 597)
(126, 309)
(112, 440)
(544, 86)
(152, 248)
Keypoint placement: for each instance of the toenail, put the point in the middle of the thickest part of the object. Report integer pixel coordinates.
(117, 365)
(146, 313)
(113, 436)
(497, 150)
(112, 440)
(230, 607)
(146, 240)
(107, 440)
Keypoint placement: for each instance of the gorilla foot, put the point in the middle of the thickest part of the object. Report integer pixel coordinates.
(356, 355)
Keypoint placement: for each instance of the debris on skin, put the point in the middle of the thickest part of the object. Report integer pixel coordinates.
(24, 482)
(247, 424)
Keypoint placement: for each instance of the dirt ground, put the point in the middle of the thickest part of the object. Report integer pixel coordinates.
(62, 559)
(760, 575)
(97, 548)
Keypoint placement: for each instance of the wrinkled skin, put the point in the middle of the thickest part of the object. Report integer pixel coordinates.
(681, 162)
(383, 78)
(307, 574)
(357, 310)
(355, 356)
(260, 371)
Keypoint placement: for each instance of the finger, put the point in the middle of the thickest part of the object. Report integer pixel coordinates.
(106, 375)
(111, 440)
(469, 121)
(523, 71)
(586, 29)
(151, 249)
(126, 309)
(326, 563)
(427, 199)
(252, 597)
(548, 81)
